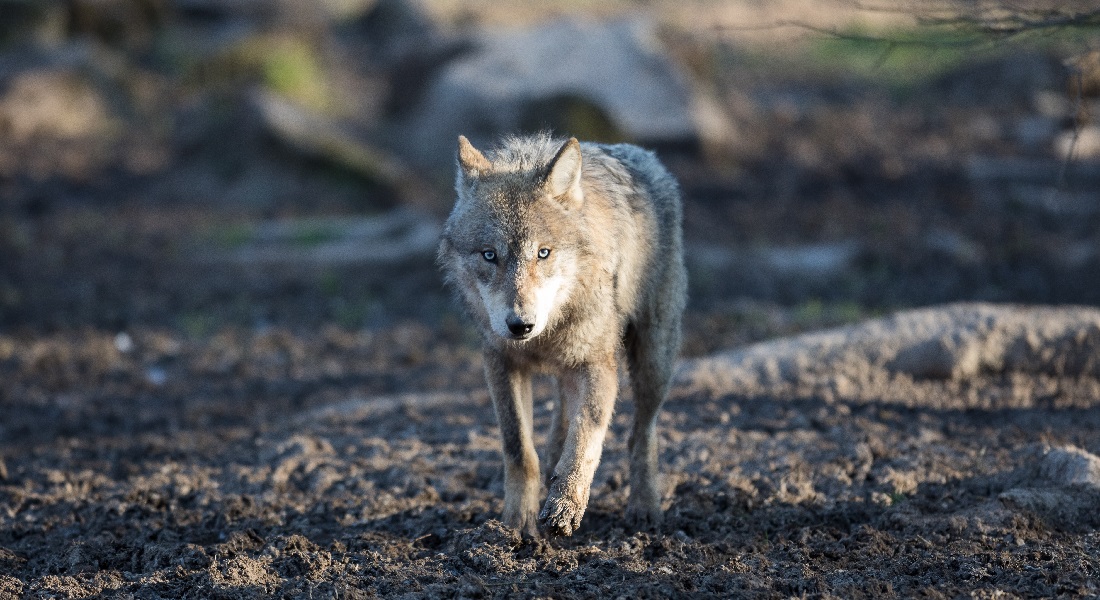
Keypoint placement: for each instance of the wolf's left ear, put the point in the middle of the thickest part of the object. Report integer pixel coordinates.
(563, 180)
(470, 160)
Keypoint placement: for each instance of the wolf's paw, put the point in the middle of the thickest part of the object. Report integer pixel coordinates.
(644, 517)
(561, 515)
(521, 513)
(525, 523)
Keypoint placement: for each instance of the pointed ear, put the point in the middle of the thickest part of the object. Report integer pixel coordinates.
(471, 162)
(563, 180)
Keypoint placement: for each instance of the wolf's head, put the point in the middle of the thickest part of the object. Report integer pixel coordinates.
(512, 243)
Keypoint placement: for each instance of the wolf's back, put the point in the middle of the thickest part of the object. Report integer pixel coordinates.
(661, 186)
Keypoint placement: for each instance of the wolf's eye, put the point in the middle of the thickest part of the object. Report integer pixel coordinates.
(489, 255)
(544, 252)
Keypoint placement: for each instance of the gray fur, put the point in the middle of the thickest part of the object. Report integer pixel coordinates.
(612, 285)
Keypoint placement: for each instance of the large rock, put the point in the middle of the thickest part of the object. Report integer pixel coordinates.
(607, 80)
(59, 103)
(930, 357)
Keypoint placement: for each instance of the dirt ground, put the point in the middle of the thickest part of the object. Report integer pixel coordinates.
(361, 464)
(176, 425)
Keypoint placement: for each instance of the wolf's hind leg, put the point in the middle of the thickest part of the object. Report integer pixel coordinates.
(512, 397)
(651, 352)
(559, 425)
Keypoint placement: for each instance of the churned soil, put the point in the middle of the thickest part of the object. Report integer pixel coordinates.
(337, 463)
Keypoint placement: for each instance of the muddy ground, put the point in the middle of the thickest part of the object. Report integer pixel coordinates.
(360, 464)
(175, 423)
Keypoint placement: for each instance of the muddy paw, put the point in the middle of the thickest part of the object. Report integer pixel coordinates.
(561, 515)
(522, 520)
(644, 517)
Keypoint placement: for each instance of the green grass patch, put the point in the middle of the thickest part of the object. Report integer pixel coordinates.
(198, 325)
(902, 59)
(293, 68)
(897, 59)
(231, 236)
(816, 314)
(897, 498)
(310, 235)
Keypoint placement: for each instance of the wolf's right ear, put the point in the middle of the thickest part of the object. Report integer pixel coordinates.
(563, 179)
(471, 162)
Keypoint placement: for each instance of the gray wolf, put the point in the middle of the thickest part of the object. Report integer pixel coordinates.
(569, 257)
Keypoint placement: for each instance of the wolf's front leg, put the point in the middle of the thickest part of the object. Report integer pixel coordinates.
(596, 386)
(511, 392)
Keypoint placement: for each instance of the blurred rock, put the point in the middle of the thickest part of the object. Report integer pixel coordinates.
(396, 29)
(883, 358)
(59, 103)
(126, 23)
(1054, 200)
(402, 39)
(800, 271)
(320, 137)
(39, 21)
(223, 9)
(1053, 105)
(954, 245)
(1070, 465)
(1086, 70)
(1009, 79)
(1035, 131)
(1083, 143)
(597, 81)
(818, 261)
(277, 12)
(985, 170)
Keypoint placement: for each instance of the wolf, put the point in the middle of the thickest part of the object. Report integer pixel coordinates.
(569, 257)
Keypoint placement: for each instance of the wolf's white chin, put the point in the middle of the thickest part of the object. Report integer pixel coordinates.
(546, 298)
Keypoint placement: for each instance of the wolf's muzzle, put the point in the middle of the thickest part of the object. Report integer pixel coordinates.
(518, 327)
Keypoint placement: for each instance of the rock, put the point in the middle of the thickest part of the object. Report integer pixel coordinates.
(1083, 143)
(317, 136)
(43, 21)
(1070, 465)
(225, 9)
(120, 23)
(300, 14)
(986, 170)
(814, 261)
(1085, 68)
(395, 29)
(57, 103)
(889, 358)
(589, 79)
(954, 245)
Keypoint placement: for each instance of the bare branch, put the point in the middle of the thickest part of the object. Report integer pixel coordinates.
(1021, 22)
(969, 29)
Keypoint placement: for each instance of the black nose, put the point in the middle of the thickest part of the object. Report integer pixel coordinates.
(518, 327)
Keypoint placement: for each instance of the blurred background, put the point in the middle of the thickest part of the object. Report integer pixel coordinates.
(193, 167)
(229, 367)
